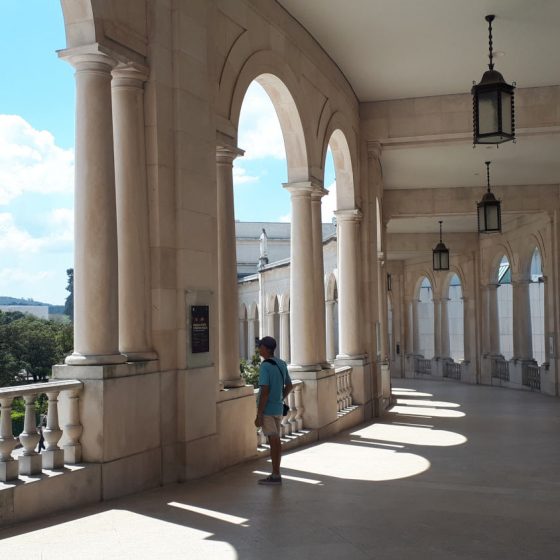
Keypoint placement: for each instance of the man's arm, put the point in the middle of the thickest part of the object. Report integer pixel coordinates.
(287, 390)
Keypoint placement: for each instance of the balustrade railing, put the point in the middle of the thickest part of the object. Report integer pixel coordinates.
(531, 376)
(422, 366)
(343, 388)
(500, 369)
(293, 421)
(452, 370)
(31, 462)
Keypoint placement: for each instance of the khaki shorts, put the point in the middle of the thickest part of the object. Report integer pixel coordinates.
(271, 425)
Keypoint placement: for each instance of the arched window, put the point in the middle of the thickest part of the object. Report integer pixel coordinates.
(505, 308)
(456, 320)
(536, 294)
(426, 319)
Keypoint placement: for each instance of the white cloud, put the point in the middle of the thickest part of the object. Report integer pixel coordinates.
(60, 234)
(18, 275)
(260, 134)
(30, 161)
(287, 218)
(240, 176)
(328, 206)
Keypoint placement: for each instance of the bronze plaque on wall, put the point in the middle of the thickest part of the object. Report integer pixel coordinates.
(200, 329)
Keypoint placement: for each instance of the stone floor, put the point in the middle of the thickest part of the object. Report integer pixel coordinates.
(452, 472)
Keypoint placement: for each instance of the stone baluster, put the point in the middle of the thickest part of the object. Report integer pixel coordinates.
(8, 466)
(73, 430)
(293, 412)
(53, 456)
(299, 406)
(30, 462)
(338, 393)
(350, 399)
(348, 389)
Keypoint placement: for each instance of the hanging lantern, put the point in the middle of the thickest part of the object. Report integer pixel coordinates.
(493, 111)
(440, 254)
(489, 209)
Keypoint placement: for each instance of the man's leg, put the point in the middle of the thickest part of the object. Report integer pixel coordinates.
(275, 453)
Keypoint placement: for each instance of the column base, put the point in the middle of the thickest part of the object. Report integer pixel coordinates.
(30, 464)
(146, 356)
(53, 459)
(233, 383)
(8, 471)
(77, 359)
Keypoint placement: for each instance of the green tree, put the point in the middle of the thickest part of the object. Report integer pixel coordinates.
(69, 303)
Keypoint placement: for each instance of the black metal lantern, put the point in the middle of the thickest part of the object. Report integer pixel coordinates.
(441, 254)
(489, 209)
(493, 108)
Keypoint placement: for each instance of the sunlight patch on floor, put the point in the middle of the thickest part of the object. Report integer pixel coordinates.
(410, 435)
(415, 402)
(419, 411)
(409, 393)
(211, 513)
(355, 462)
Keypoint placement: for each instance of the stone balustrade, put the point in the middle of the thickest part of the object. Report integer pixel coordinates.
(343, 388)
(422, 366)
(500, 369)
(531, 376)
(293, 421)
(53, 457)
(452, 370)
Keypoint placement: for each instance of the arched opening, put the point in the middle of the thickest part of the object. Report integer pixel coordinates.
(455, 313)
(505, 308)
(537, 294)
(426, 319)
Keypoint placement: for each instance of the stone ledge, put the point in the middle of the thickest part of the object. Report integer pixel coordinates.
(113, 371)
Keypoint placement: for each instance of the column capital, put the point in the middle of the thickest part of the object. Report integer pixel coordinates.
(374, 149)
(520, 280)
(318, 193)
(226, 154)
(92, 57)
(351, 215)
(130, 75)
(492, 286)
(300, 188)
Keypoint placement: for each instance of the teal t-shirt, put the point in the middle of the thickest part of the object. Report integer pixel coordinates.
(270, 375)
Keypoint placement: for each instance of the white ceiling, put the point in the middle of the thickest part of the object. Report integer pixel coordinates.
(530, 161)
(391, 49)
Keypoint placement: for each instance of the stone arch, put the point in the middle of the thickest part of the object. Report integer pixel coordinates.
(418, 282)
(500, 251)
(526, 254)
(426, 325)
(341, 139)
(284, 303)
(331, 286)
(281, 85)
(80, 23)
(453, 271)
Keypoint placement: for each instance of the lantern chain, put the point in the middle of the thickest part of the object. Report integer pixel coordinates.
(488, 173)
(490, 19)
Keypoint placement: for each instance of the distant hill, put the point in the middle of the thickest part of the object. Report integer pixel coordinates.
(53, 309)
(6, 300)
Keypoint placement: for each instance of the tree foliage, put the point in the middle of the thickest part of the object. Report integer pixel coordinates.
(69, 303)
(250, 369)
(31, 345)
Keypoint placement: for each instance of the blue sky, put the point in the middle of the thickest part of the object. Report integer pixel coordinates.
(37, 155)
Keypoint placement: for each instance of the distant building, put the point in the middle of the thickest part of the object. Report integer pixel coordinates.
(248, 242)
(41, 311)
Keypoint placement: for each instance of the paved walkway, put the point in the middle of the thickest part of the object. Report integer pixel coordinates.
(453, 472)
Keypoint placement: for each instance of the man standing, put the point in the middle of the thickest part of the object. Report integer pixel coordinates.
(275, 385)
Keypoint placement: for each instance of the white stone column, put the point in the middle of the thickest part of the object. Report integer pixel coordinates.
(467, 328)
(493, 319)
(96, 320)
(270, 324)
(285, 336)
(302, 279)
(318, 268)
(350, 340)
(415, 327)
(523, 341)
(250, 338)
(228, 335)
(331, 343)
(242, 341)
(132, 213)
(445, 343)
(437, 327)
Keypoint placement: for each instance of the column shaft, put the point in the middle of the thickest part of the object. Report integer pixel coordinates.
(437, 327)
(445, 343)
(348, 284)
(228, 334)
(523, 342)
(493, 320)
(132, 213)
(318, 268)
(330, 334)
(467, 312)
(415, 329)
(285, 336)
(302, 278)
(250, 338)
(96, 320)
